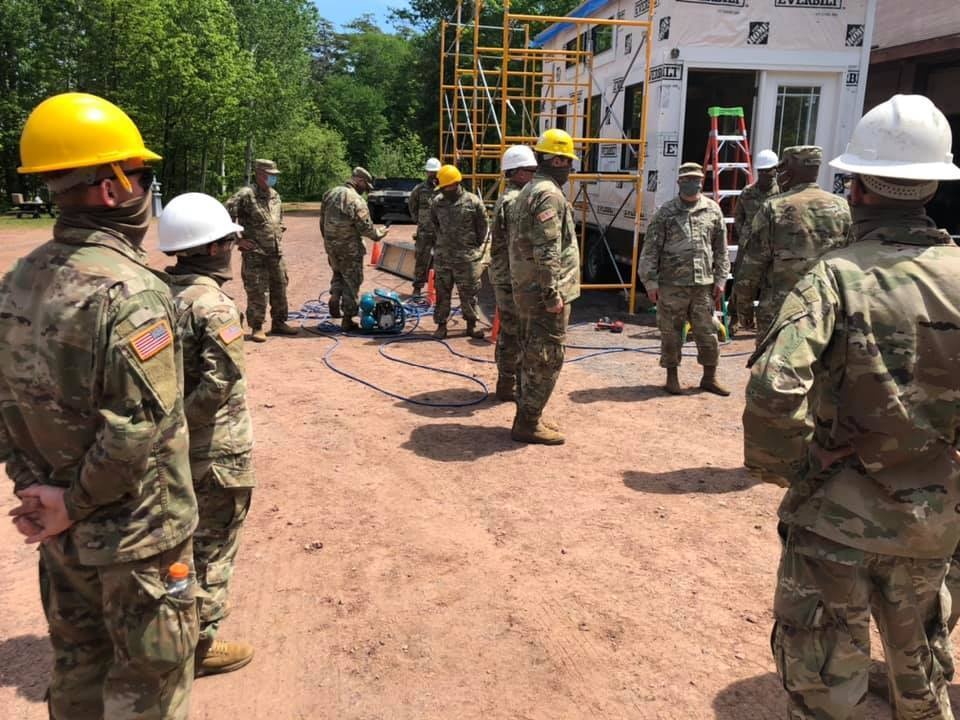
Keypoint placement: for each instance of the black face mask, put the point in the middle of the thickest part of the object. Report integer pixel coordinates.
(560, 175)
(212, 266)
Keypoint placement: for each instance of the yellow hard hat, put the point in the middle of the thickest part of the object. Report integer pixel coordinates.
(555, 142)
(448, 175)
(77, 130)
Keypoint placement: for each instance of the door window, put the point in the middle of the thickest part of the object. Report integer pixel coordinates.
(795, 122)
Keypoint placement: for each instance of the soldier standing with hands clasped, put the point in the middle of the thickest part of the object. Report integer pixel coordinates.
(684, 266)
(426, 237)
(852, 406)
(92, 426)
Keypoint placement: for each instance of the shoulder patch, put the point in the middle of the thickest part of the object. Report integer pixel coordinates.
(230, 332)
(149, 342)
(547, 214)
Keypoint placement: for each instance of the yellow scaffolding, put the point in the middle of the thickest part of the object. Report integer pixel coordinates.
(496, 88)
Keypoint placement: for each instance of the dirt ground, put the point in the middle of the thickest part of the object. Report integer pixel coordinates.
(407, 562)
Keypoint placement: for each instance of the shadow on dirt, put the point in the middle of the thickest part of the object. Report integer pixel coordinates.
(453, 442)
(24, 664)
(708, 480)
(631, 393)
(756, 698)
(452, 397)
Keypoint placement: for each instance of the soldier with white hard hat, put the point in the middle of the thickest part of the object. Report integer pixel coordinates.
(425, 237)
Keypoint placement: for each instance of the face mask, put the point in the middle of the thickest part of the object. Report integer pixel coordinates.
(690, 187)
(128, 221)
(765, 181)
(271, 180)
(560, 175)
(213, 266)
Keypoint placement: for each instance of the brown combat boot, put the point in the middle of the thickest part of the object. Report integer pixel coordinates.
(334, 306)
(877, 681)
(417, 289)
(709, 381)
(506, 385)
(219, 656)
(283, 329)
(473, 331)
(258, 335)
(673, 382)
(527, 430)
(348, 325)
(441, 332)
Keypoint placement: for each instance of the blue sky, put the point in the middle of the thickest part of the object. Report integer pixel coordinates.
(343, 11)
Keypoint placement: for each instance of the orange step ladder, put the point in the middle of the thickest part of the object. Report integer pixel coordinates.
(727, 164)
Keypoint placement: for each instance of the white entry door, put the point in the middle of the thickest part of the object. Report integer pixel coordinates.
(798, 109)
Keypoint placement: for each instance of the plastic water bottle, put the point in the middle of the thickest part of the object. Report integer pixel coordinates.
(178, 580)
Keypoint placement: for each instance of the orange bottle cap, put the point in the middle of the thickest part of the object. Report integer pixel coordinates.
(179, 571)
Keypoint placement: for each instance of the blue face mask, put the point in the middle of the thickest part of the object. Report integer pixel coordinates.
(271, 180)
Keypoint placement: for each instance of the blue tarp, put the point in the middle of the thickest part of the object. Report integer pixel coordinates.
(586, 10)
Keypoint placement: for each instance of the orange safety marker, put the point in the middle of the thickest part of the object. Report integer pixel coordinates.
(495, 330)
(431, 288)
(375, 253)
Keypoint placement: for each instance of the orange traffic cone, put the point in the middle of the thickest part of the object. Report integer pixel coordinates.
(431, 288)
(375, 253)
(495, 330)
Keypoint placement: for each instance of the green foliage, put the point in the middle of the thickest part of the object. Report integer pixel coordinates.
(402, 156)
(312, 159)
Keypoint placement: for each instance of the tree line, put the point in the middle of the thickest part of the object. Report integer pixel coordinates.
(214, 83)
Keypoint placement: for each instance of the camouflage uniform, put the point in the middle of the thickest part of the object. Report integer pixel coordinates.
(426, 237)
(263, 269)
(508, 340)
(461, 227)
(684, 257)
(544, 266)
(221, 435)
(97, 408)
(748, 205)
(787, 236)
(344, 220)
(861, 356)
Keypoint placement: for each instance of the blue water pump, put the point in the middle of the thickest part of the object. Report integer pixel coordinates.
(381, 312)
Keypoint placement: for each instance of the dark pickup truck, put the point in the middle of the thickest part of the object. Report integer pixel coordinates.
(389, 200)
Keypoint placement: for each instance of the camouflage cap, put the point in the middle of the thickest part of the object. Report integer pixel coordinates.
(803, 155)
(363, 173)
(267, 166)
(690, 169)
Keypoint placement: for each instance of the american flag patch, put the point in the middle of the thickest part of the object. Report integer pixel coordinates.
(547, 214)
(152, 340)
(230, 333)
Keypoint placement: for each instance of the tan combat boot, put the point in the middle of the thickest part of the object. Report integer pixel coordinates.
(283, 329)
(473, 331)
(527, 430)
(334, 306)
(505, 388)
(441, 332)
(673, 382)
(219, 656)
(258, 335)
(709, 381)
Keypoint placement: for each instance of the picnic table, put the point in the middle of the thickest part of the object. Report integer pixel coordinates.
(34, 208)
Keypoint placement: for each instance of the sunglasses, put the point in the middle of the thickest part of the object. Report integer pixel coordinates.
(145, 176)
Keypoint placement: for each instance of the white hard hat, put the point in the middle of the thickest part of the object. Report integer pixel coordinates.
(193, 219)
(433, 165)
(518, 156)
(766, 159)
(906, 137)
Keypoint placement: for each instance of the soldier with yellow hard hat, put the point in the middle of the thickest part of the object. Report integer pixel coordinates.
(92, 428)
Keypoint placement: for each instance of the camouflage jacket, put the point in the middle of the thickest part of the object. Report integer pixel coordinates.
(863, 355)
(214, 387)
(544, 254)
(748, 205)
(461, 227)
(261, 214)
(419, 206)
(91, 394)
(685, 245)
(789, 233)
(500, 237)
(345, 219)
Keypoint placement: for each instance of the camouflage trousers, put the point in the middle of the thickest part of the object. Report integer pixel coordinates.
(122, 647)
(542, 335)
(263, 274)
(347, 266)
(466, 276)
(675, 306)
(507, 352)
(222, 507)
(744, 309)
(826, 593)
(424, 256)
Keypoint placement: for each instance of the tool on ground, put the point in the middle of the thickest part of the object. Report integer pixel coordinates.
(381, 312)
(605, 323)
